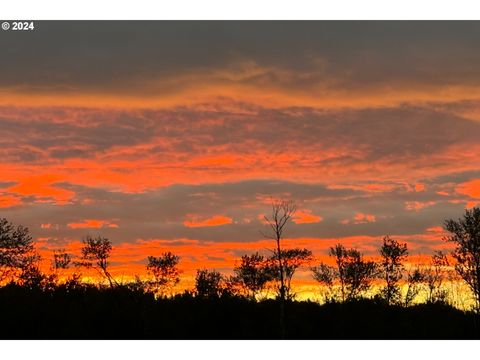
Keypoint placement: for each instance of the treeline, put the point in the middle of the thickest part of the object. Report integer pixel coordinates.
(345, 284)
(350, 278)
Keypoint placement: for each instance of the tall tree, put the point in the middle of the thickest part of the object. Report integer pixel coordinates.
(465, 234)
(16, 249)
(165, 272)
(282, 213)
(95, 254)
(393, 254)
(252, 274)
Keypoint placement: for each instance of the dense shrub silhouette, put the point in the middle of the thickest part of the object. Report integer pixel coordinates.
(89, 312)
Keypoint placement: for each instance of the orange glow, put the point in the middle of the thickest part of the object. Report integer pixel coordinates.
(129, 259)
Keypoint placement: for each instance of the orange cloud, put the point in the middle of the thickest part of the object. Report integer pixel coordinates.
(49, 226)
(364, 218)
(378, 187)
(306, 217)
(470, 188)
(194, 221)
(41, 186)
(360, 218)
(418, 205)
(419, 187)
(435, 229)
(9, 201)
(471, 204)
(443, 193)
(92, 224)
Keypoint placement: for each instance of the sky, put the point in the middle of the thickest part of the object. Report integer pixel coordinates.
(174, 136)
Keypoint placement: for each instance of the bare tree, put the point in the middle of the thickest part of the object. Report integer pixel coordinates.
(16, 249)
(165, 272)
(393, 254)
(95, 254)
(282, 213)
(465, 234)
(252, 274)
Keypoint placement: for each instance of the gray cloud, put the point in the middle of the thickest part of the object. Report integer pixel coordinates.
(160, 213)
(121, 57)
(364, 135)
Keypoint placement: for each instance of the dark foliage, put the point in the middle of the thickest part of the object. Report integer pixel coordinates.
(165, 272)
(16, 249)
(292, 259)
(74, 311)
(393, 255)
(465, 234)
(252, 274)
(210, 284)
(95, 255)
(353, 272)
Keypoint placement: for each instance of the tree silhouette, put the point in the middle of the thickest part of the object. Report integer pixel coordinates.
(31, 277)
(165, 272)
(95, 254)
(16, 249)
(357, 273)
(61, 259)
(292, 259)
(434, 276)
(415, 279)
(393, 254)
(252, 274)
(465, 234)
(209, 284)
(353, 272)
(326, 275)
(282, 213)
(60, 263)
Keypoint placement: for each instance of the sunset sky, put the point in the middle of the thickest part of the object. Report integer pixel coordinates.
(173, 136)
